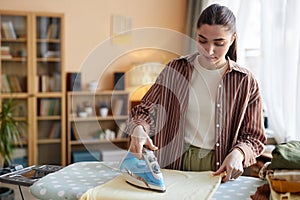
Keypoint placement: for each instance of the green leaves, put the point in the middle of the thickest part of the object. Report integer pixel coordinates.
(9, 130)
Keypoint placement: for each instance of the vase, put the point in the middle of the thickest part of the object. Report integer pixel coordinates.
(103, 112)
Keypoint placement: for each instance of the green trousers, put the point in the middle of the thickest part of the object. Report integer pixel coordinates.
(197, 159)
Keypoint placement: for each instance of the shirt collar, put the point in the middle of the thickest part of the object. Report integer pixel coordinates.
(232, 64)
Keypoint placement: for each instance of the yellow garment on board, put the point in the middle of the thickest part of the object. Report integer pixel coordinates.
(179, 185)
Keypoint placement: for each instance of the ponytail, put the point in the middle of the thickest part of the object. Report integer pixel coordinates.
(231, 53)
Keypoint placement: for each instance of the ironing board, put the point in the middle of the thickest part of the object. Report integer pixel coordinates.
(74, 180)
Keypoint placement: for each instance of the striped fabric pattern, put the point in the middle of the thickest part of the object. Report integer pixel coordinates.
(239, 117)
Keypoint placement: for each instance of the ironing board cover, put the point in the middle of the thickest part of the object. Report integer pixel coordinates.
(74, 180)
(179, 185)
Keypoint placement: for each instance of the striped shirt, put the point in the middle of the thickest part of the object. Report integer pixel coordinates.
(238, 113)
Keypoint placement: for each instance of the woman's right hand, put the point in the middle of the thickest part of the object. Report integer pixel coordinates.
(140, 138)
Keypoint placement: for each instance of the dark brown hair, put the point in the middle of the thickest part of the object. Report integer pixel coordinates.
(216, 14)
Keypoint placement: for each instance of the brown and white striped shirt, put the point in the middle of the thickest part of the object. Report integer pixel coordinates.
(238, 113)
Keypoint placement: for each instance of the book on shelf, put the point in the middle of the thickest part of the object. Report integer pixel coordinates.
(10, 83)
(74, 81)
(55, 82)
(5, 85)
(15, 83)
(53, 31)
(49, 83)
(44, 83)
(5, 49)
(118, 106)
(55, 130)
(51, 54)
(74, 132)
(8, 56)
(5, 52)
(43, 24)
(8, 30)
(54, 107)
(36, 84)
(44, 106)
(49, 107)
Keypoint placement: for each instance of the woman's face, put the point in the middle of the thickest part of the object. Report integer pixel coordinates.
(213, 42)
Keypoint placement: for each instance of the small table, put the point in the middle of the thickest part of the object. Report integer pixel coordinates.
(74, 180)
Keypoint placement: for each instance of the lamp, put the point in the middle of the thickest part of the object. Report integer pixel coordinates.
(141, 77)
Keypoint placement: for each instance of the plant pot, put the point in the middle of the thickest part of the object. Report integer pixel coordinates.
(103, 112)
(6, 193)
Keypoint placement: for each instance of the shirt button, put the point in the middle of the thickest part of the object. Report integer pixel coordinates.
(218, 125)
(218, 163)
(218, 105)
(217, 144)
(220, 86)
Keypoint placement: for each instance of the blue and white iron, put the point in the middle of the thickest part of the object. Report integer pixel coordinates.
(143, 172)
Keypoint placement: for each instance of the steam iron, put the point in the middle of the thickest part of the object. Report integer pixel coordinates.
(144, 173)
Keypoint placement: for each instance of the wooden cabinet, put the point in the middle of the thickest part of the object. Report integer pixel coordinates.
(15, 69)
(49, 85)
(32, 72)
(92, 130)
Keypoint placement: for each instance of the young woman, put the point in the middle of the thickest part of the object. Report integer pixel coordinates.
(204, 112)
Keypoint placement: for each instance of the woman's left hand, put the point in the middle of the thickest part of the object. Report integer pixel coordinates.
(232, 165)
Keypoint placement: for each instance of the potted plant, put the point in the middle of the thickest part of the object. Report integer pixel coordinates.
(10, 131)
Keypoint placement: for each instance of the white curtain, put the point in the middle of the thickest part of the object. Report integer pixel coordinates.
(279, 68)
(280, 74)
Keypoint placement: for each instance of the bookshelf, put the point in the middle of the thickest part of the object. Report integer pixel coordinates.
(32, 72)
(14, 67)
(87, 129)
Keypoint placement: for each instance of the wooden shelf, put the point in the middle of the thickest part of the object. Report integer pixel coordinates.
(98, 92)
(22, 40)
(96, 141)
(97, 118)
(84, 128)
(48, 40)
(13, 40)
(49, 141)
(47, 118)
(15, 59)
(14, 95)
(49, 95)
(48, 59)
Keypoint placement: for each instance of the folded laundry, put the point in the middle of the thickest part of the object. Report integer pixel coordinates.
(283, 186)
(286, 156)
(288, 175)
